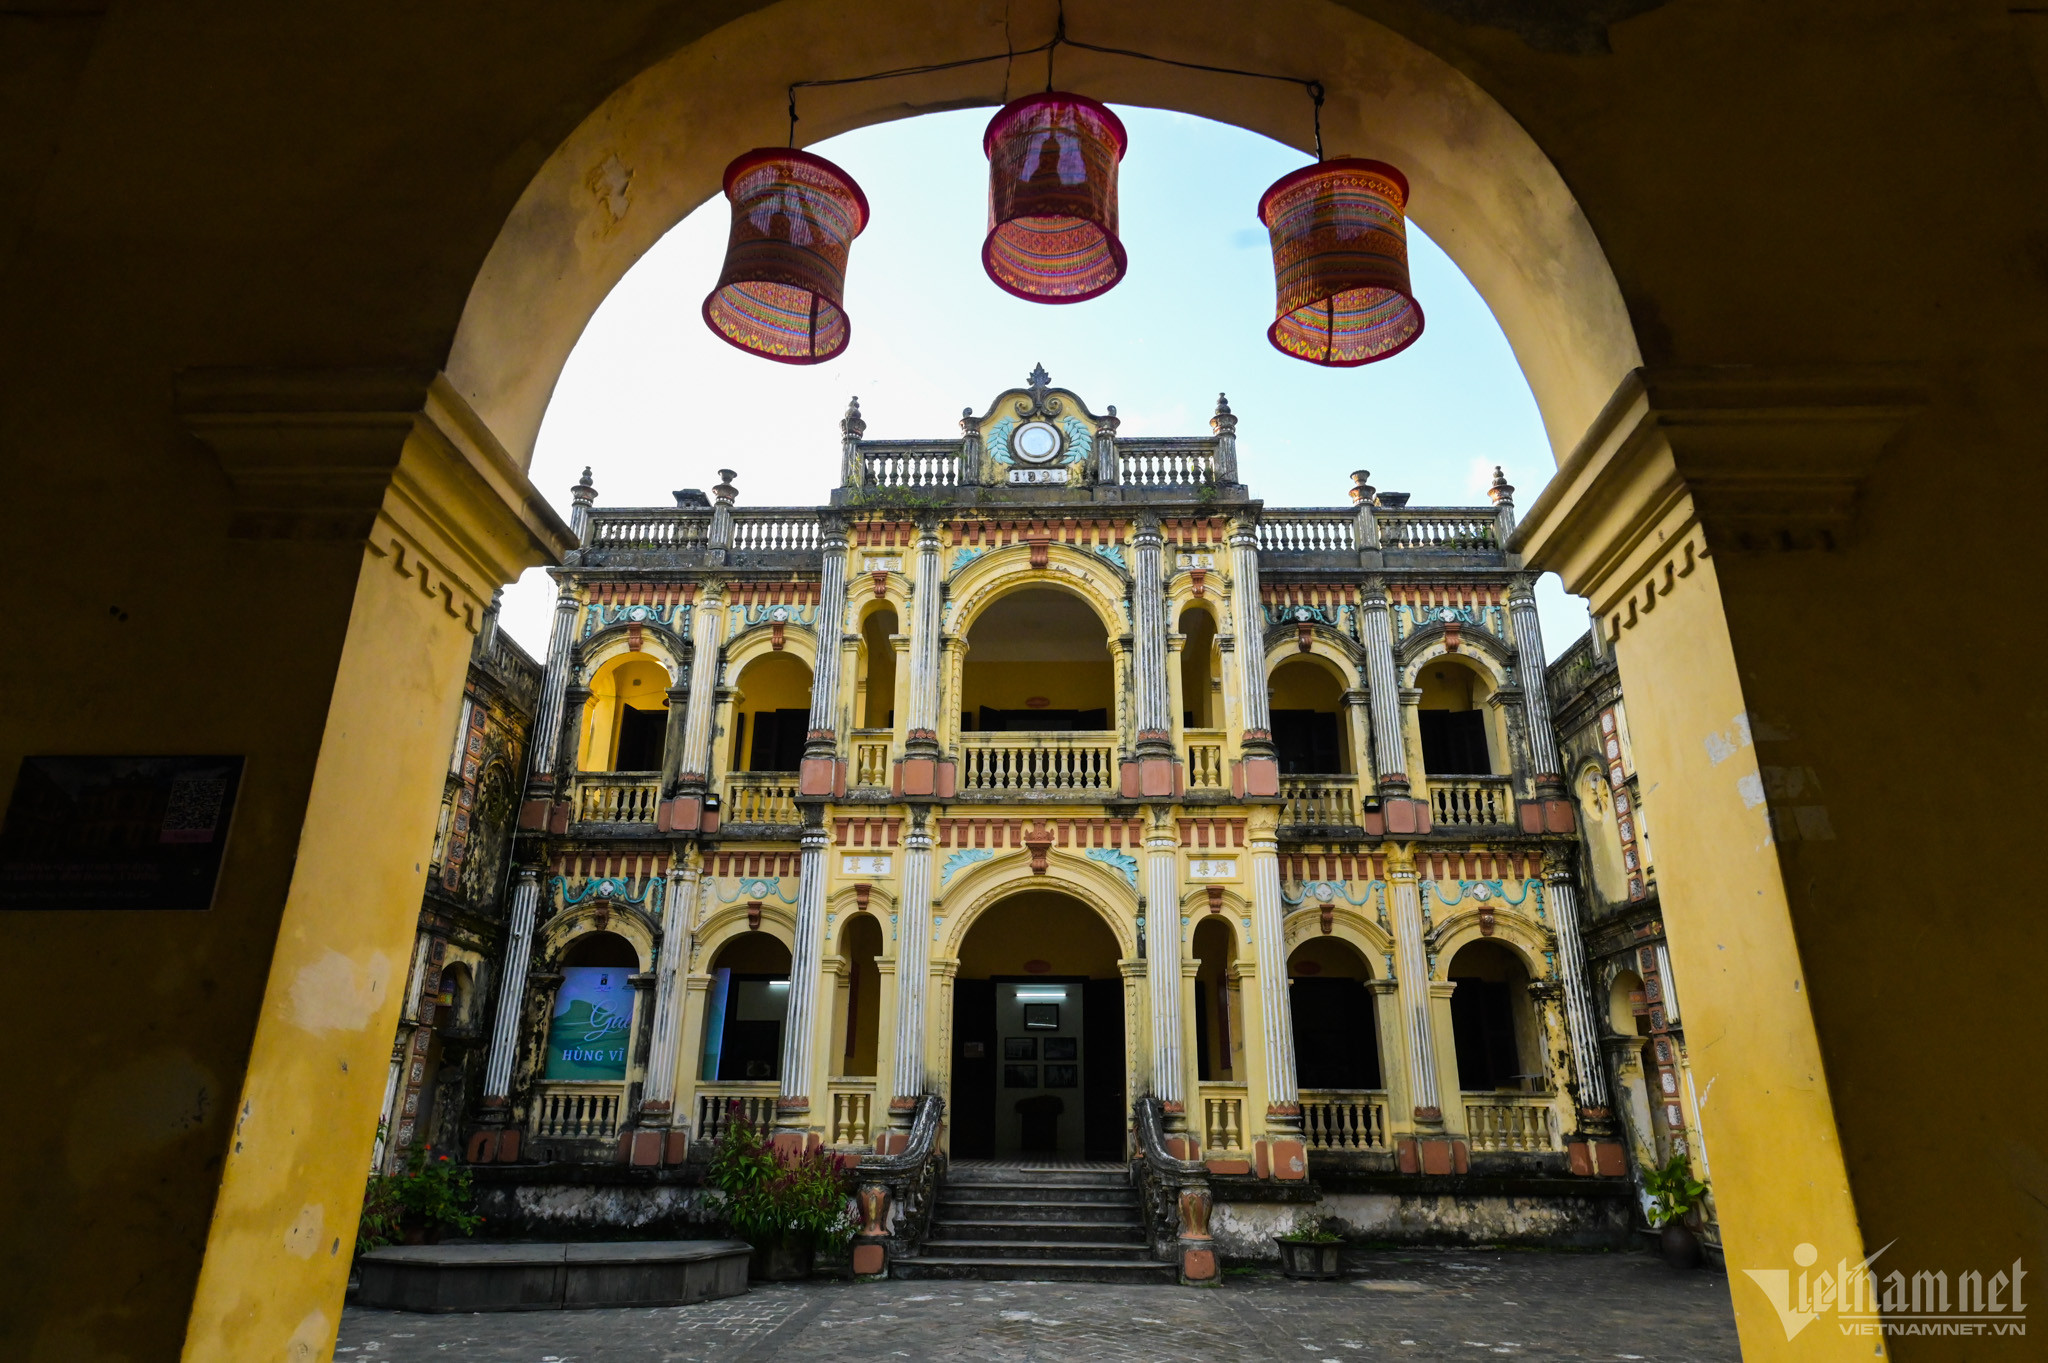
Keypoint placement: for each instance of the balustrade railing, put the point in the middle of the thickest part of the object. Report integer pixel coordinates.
(1181, 466)
(647, 528)
(910, 468)
(1038, 763)
(617, 796)
(1299, 532)
(1319, 801)
(1471, 801)
(1502, 1122)
(784, 529)
(1437, 528)
(718, 1104)
(578, 1111)
(1222, 1119)
(760, 797)
(870, 759)
(1206, 769)
(1344, 1119)
(853, 1107)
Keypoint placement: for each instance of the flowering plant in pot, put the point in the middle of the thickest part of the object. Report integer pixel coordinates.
(1310, 1249)
(1675, 1193)
(787, 1206)
(417, 1207)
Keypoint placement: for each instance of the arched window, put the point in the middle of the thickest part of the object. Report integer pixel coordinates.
(1307, 702)
(1336, 1038)
(878, 669)
(1198, 670)
(1218, 1025)
(1452, 717)
(861, 944)
(1037, 660)
(1628, 1005)
(743, 1019)
(771, 714)
(1493, 1021)
(590, 1028)
(625, 723)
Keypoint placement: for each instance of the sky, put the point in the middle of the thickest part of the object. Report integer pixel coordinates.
(652, 401)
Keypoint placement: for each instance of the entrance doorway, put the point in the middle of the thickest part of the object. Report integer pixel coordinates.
(1038, 1035)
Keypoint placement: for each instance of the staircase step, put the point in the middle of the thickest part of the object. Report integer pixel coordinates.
(1071, 1270)
(1083, 1233)
(1038, 1192)
(1094, 1213)
(950, 1248)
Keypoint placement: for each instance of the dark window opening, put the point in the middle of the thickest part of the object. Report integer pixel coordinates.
(1483, 1024)
(1042, 721)
(1307, 742)
(1454, 743)
(642, 735)
(779, 740)
(1336, 1042)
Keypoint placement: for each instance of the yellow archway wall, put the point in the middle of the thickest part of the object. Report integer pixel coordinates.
(768, 683)
(1038, 925)
(629, 680)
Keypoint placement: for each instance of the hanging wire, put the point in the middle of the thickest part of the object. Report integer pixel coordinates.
(1313, 88)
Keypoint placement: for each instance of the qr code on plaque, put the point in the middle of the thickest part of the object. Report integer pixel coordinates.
(193, 813)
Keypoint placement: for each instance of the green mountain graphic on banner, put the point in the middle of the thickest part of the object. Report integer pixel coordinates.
(589, 1033)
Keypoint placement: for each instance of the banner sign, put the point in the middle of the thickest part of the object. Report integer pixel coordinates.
(589, 1033)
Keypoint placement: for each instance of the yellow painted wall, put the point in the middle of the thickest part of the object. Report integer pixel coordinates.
(1199, 670)
(878, 657)
(861, 944)
(1305, 685)
(773, 681)
(629, 680)
(1066, 685)
(1039, 925)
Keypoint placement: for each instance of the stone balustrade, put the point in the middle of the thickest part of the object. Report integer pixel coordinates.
(1038, 763)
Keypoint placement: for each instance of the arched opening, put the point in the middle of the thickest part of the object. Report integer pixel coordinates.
(1219, 1035)
(860, 996)
(590, 1027)
(1200, 676)
(877, 701)
(1336, 1034)
(625, 721)
(1602, 836)
(1451, 719)
(1628, 1005)
(1493, 1021)
(455, 1032)
(771, 713)
(1038, 1034)
(743, 1015)
(1307, 702)
(1037, 660)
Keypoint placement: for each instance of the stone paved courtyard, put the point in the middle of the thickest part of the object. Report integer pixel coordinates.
(1408, 1304)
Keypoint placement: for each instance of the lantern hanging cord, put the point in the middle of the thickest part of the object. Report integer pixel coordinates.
(1315, 89)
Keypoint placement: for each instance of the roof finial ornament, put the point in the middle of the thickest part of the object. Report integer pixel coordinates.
(1222, 404)
(1501, 490)
(851, 424)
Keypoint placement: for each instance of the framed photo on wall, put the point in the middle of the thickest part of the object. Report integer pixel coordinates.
(1063, 1048)
(1022, 1048)
(1020, 1076)
(1045, 1015)
(1063, 1076)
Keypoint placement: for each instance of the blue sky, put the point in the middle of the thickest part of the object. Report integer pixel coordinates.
(653, 402)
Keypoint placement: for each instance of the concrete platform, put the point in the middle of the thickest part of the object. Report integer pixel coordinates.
(551, 1277)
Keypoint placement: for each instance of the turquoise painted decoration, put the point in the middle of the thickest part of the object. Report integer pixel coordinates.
(755, 887)
(1080, 439)
(960, 861)
(963, 557)
(998, 441)
(1114, 553)
(1122, 861)
(612, 890)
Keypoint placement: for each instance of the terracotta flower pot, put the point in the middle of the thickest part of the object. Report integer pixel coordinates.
(1680, 1247)
(1313, 1259)
(784, 1260)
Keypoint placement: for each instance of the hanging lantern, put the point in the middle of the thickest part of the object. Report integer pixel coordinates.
(1052, 162)
(794, 217)
(1340, 263)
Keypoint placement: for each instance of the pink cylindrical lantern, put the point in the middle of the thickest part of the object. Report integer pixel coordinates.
(1052, 163)
(794, 218)
(1340, 263)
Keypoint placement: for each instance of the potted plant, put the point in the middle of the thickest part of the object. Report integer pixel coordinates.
(1309, 1250)
(419, 1206)
(788, 1207)
(1674, 1194)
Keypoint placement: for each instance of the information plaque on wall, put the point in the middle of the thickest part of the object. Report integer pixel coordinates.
(116, 832)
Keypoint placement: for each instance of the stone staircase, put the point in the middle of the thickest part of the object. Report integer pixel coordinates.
(1006, 1222)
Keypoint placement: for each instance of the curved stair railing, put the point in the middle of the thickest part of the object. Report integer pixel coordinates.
(897, 1192)
(1175, 1196)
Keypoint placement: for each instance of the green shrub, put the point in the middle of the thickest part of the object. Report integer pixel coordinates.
(433, 1193)
(770, 1197)
(1674, 1189)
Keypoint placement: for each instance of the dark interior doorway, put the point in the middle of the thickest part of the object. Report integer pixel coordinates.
(979, 1065)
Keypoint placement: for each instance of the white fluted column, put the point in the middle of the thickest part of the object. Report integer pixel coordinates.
(1578, 1001)
(666, 1031)
(544, 756)
(1383, 691)
(512, 988)
(1162, 965)
(1414, 991)
(1283, 1095)
(1535, 694)
(913, 954)
(708, 616)
(1248, 620)
(800, 1021)
(1149, 627)
(830, 625)
(924, 640)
